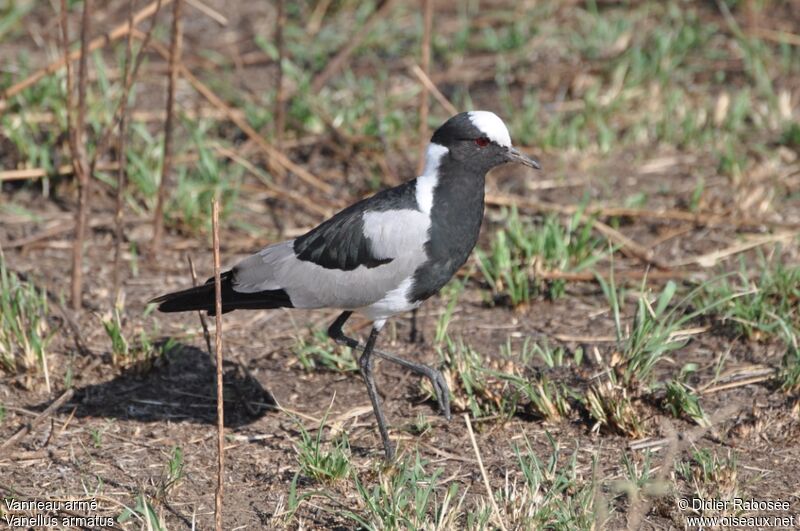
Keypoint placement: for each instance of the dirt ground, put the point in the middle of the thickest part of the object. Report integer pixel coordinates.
(113, 439)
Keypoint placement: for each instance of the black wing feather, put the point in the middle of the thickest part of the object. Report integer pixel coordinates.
(339, 243)
(202, 298)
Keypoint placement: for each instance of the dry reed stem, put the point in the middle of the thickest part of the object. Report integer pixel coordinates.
(485, 476)
(166, 164)
(213, 14)
(52, 408)
(69, 104)
(425, 64)
(123, 124)
(628, 246)
(711, 258)
(98, 42)
(783, 37)
(340, 59)
(135, 115)
(128, 78)
(75, 125)
(218, 352)
(280, 102)
(635, 274)
(203, 322)
(738, 383)
(315, 20)
(299, 199)
(277, 160)
(426, 81)
(699, 218)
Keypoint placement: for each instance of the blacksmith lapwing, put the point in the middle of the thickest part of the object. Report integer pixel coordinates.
(381, 256)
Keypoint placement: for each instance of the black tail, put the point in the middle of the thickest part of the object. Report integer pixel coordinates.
(201, 298)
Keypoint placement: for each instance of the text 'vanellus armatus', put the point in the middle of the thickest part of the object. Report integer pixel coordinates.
(381, 256)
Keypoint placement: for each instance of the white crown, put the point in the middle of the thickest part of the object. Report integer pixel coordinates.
(492, 126)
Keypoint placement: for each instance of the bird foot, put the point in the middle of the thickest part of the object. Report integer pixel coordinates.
(441, 390)
(389, 451)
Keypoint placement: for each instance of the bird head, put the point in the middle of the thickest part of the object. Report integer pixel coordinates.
(479, 139)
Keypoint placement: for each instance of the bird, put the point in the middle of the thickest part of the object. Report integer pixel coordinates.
(381, 256)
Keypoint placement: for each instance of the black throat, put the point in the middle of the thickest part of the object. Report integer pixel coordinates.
(456, 216)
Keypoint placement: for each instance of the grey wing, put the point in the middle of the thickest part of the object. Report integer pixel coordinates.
(392, 243)
(340, 242)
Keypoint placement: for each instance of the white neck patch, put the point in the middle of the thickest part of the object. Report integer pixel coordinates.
(429, 178)
(492, 126)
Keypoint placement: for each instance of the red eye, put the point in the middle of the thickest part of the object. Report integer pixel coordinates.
(482, 141)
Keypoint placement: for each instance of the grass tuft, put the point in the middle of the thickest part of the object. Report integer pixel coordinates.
(24, 329)
(145, 513)
(709, 475)
(540, 396)
(758, 306)
(315, 351)
(173, 472)
(653, 333)
(521, 249)
(610, 405)
(478, 384)
(128, 352)
(550, 494)
(320, 461)
(790, 136)
(404, 497)
(790, 369)
(681, 400)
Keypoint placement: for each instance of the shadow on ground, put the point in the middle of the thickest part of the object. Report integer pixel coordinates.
(178, 385)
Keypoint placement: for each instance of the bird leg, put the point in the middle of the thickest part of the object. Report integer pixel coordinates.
(415, 335)
(365, 364)
(439, 384)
